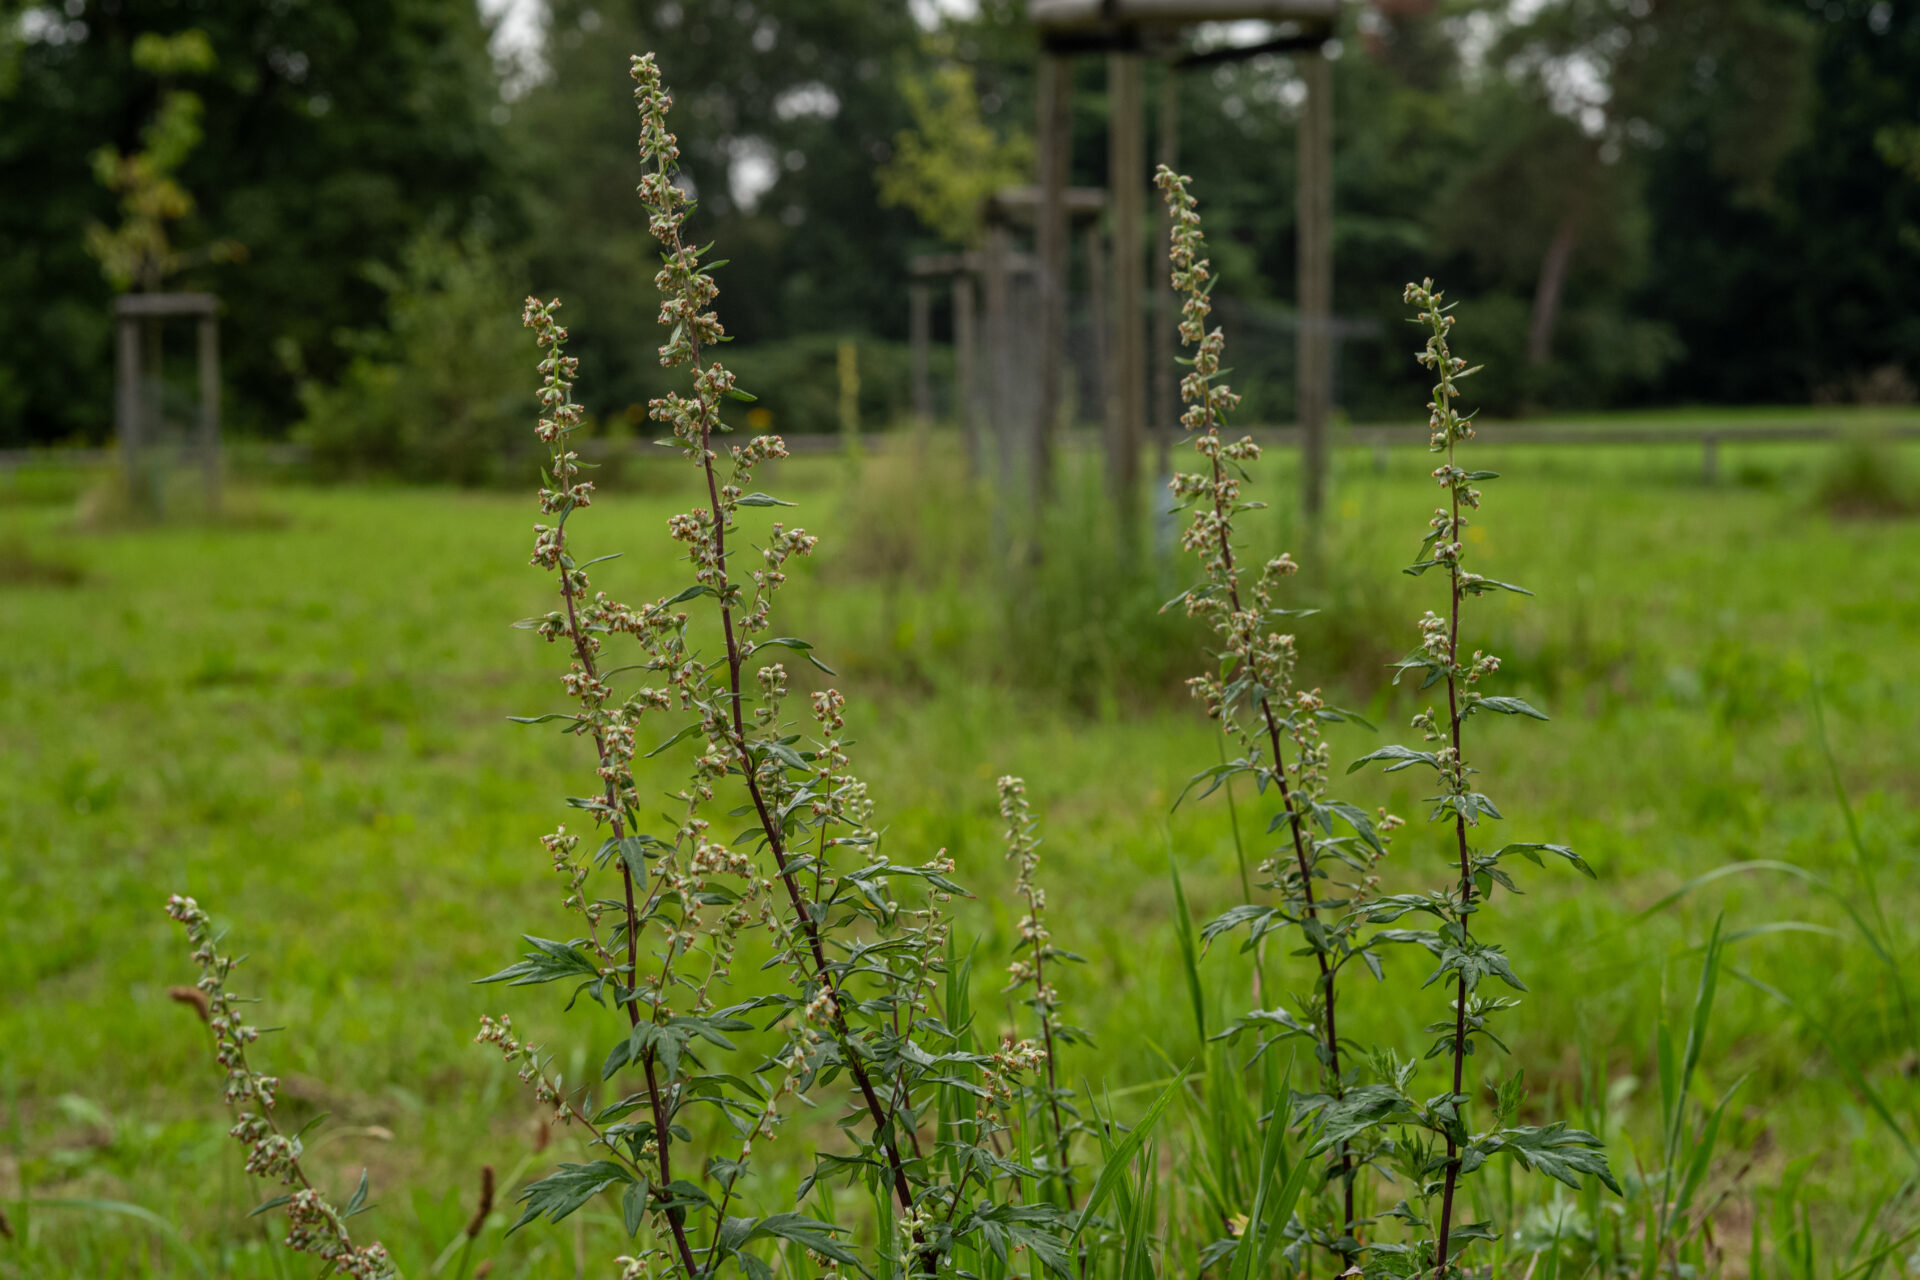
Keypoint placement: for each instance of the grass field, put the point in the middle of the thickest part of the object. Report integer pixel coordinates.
(302, 722)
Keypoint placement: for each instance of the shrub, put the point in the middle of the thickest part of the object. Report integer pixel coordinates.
(1865, 474)
(434, 394)
(798, 381)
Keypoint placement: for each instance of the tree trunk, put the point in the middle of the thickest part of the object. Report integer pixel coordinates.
(1546, 296)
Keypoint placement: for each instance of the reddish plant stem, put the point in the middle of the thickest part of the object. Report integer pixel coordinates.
(662, 1139)
(903, 1190)
(1053, 1086)
(1466, 872)
(1295, 826)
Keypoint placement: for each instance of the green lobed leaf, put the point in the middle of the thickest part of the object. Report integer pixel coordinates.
(633, 1207)
(1505, 706)
(688, 593)
(571, 1186)
(1531, 851)
(358, 1202)
(1405, 758)
(685, 733)
(547, 962)
(1555, 1150)
(1364, 1107)
(820, 1237)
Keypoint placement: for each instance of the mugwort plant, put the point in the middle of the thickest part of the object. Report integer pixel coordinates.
(1273, 724)
(1466, 962)
(1324, 878)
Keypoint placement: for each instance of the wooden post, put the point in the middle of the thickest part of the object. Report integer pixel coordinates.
(966, 371)
(920, 333)
(1314, 246)
(1166, 310)
(1000, 373)
(1055, 135)
(1101, 325)
(1126, 175)
(210, 410)
(152, 495)
(126, 400)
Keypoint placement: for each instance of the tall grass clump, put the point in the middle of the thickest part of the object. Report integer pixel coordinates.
(1866, 474)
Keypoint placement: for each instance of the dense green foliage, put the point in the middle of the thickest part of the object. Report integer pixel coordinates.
(1729, 187)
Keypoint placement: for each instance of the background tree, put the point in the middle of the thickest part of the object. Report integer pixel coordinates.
(951, 159)
(789, 109)
(1809, 291)
(332, 134)
(1674, 200)
(138, 253)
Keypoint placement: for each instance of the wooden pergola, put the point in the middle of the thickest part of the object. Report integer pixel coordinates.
(983, 330)
(137, 401)
(1128, 32)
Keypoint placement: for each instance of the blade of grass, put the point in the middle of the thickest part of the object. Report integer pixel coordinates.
(138, 1213)
(1861, 860)
(1123, 1153)
(1189, 957)
(1841, 1059)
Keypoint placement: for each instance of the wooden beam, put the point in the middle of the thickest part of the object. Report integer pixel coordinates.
(920, 334)
(1127, 178)
(1314, 247)
(1000, 393)
(966, 371)
(166, 304)
(1100, 321)
(974, 262)
(126, 397)
(209, 354)
(1166, 306)
(1055, 135)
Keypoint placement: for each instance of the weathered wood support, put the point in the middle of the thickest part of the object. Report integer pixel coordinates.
(920, 336)
(966, 370)
(126, 398)
(1166, 305)
(1126, 176)
(1314, 246)
(1055, 135)
(209, 359)
(138, 407)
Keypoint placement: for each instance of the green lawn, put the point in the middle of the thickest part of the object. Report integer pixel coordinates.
(302, 723)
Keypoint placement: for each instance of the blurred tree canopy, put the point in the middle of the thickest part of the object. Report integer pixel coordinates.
(785, 110)
(1662, 200)
(951, 160)
(332, 133)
